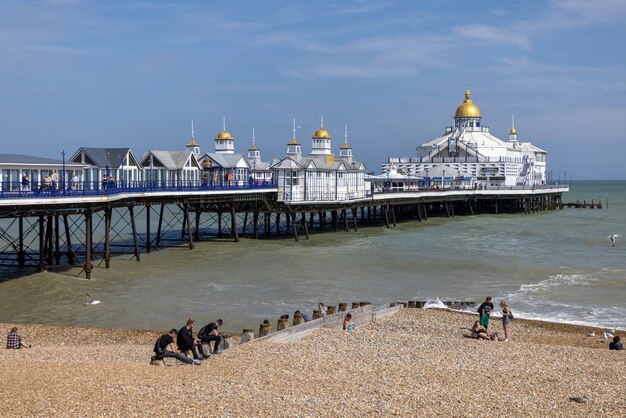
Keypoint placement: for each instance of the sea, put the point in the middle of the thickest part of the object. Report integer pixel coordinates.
(556, 266)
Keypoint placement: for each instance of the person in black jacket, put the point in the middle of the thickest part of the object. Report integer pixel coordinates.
(164, 347)
(209, 333)
(185, 340)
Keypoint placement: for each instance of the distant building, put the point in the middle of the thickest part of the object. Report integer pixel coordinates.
(319, 177)
(467, 154)
(172, 168)
(26, 173)
(118, 163)
(224, 167)
(260, 172)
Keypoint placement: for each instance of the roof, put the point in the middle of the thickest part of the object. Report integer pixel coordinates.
(30, 159)
(227, 160)
(172, 160)
(104, 156)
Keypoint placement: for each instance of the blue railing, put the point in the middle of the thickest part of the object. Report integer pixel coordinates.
(13, 190)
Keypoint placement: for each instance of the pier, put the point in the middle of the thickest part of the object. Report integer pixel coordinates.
(46, 230)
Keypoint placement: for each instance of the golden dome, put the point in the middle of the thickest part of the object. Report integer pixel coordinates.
(224, 135)
(512, 131)
(321, 133)
(293, 141)
(467, 109)
(192, 144)
(253, 147)
(345, 146)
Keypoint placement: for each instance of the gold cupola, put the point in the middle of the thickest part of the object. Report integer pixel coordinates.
(321, 133)
(467, 109)
(224, 136)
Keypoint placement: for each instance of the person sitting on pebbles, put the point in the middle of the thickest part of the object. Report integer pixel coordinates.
(482, 333)
(164, 347)
(14, 341)
(348, 325)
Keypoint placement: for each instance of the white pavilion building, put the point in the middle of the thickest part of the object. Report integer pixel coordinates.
(468, 155)
(319, 176)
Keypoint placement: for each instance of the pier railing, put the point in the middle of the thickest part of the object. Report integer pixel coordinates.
(12, 190)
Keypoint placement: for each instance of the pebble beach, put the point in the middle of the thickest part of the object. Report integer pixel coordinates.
(415, 363)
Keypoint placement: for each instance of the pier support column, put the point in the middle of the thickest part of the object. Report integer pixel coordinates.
(354, 219)
(68, 241)
(134, 229)
(219, 224)
(393, 215)
(107, 237)
(88, 267)
(49, 232)
(158, 237)
(334, 219)
(278, 223)
(148, 238)
(57, 241)
(233, 221)
(386, 213)
(255, 224)
(304, 224)
(20, 245)
(42, 245)
(295, 226)
(190, 236)
(245, 223)
(196, 233)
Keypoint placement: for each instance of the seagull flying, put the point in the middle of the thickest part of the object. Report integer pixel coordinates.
(614, 238)
(90, 300)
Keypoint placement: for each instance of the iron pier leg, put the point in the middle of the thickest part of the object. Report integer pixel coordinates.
(148, 237)
(158, 237)
(354, 218)
(88, 266)
(245, 223)
(196, 235)
(295, 227)
(306, 228)
(49, 232)
(57, 241)
(255, 224)
(189, 234)
(20, 251)
(107, 237)
(219, 224)
(233, 221)
(68, 241)
(322, 219)
(185, 219)
(132, 225)
(42, 245)
(334, 219)
(288, 221)
(278, 223)
(386, 213)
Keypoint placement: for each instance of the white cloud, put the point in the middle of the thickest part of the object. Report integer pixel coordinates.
(493, 35)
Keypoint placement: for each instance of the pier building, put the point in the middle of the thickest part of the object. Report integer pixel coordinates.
(260, 171)
(319, 176)
(118, 163)
(224, 167)
(467, 154)
(25, 173)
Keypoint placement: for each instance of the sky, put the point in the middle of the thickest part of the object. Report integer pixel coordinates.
(135, 73)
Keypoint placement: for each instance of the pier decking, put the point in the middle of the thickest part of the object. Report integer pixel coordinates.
(53, 228)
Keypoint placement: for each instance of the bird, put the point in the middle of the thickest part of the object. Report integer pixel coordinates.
(90, 300)
(579, 399)
(614, 238)
(607, 335)
(591, 334)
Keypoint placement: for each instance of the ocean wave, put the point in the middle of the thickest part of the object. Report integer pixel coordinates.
(558, 280)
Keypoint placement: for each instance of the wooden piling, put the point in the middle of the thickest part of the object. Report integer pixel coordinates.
(246, 336)
(282, 324)
(264, 329)
(343, 307)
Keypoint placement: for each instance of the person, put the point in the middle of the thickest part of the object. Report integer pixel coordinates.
(484, 318)
(185, 340)
(47, 181)
(75, 182)
(482, 333)
(486, 303)
(304, 316)
(164, 347)
(616, 344)
(55, 179)
(348, 325)
(209, 333)
(506, 319)
(14, 341)
(105, 182)
(25, 182)
(321, 308)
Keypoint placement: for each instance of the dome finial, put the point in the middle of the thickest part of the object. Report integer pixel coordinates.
(513, 131)
(468, 93)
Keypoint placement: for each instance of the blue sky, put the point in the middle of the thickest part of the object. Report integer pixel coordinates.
(135, 73)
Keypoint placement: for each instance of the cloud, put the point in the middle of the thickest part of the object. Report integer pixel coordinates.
(493, 35)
